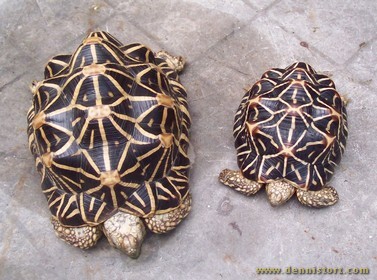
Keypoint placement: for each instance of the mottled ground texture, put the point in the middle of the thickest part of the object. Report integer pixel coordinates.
(228, 45)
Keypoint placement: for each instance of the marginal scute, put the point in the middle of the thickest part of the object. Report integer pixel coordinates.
(46, 159)
(165, 100)
(39, 120)
(166, 139)
(92, 40)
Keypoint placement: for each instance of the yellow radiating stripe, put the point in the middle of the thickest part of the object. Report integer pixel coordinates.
(159, 164)
(145, 133)
(137, 209)
(43, 134)
(297, 172)
(319, 176)
(91, 162)
(94, 53)
(59, 62)
(73, 213)
(77, 88)
(149, 153)
(49, 190)
(99, 212)
(285, 167)
(113, 54)
(91, 205)
(91, 144)
(60, 179)
(269, 170)
(74, 58)
(262, 144)
(59, 198)
(58, 209)
(76, 121)
(59, 111)
(122, 158)
(142, 98)
(68, 204)
(167, 162)
(71, 181)
(269, 137)
(163, 122)
(129, 185)
(124, 195)
(96, 90)
(114, 197)
(78, 170)
(65, 146)
(159, 185)
(105, 146)
(135, 48)
(161, 197)
(123, 132)
(60, 128)
(142, 202)
(291, 129)
(151, 197)
(83, 130)
(124, 117)
(249, 165)
(82, 210)
(308, 176)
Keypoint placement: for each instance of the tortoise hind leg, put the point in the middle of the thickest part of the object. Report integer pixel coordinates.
(161, 223)
(82, 237)
(237, 181)
(327, 196)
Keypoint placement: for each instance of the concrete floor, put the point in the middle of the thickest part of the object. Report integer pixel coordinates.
(228, 45)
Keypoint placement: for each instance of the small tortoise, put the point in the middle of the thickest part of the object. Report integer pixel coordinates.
(109, 132)
(290, 132)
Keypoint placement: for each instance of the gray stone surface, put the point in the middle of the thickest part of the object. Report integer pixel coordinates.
(228, 45)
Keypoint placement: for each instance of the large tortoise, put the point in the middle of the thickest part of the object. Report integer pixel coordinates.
(290, 132)
(109, 132)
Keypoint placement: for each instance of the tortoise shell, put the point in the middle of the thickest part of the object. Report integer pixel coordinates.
(291, 125)
(109, 132)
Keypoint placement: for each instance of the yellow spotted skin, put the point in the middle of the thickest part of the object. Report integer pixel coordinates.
(290, 133)
(108, 129)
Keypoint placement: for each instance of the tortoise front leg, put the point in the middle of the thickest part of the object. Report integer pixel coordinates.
(237, 181)
(327, 196)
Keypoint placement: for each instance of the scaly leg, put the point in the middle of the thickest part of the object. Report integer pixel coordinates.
(327, 196)
(237, 181)
(82, 237)
(162, 223)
